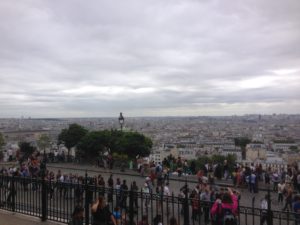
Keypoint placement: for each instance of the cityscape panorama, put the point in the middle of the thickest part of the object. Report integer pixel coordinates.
(160, 112)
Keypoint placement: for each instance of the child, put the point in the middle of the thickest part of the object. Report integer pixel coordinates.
(117, 215)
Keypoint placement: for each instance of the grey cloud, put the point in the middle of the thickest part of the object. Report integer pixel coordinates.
(177, 48)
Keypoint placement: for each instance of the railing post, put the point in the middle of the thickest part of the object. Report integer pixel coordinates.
(186, 208)
(238, 209)
(44, 199)
(131, 210)
(86, 205)
(253, 200)
(269, 212)
(44, 190)
(13, 194)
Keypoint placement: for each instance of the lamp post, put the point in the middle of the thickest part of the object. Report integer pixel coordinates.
(121, 121)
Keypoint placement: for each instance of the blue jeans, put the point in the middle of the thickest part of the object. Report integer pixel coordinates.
(252, 187)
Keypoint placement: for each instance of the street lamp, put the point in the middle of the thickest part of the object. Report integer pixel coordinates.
(121, 121)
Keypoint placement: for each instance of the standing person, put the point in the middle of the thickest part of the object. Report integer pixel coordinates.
(124, 195)
(77, 216)
(192, 169)
(252, 182)
(195, 205)
(184, 191)
(167, 195)
(179, 166)
(298, 182)
(205, 198)
(101, 184)
(275, 180)
(159, 197)
(118, 191)
(280, 190)
(264, 210)
(144, 220)
(288, 198)
(267, 177)
(288, 178)
(135, 190)
(226, 169)
(218, 171)
(117, 215)
(296, 210)
(142, 170)
(110, 183)
(78, 192)
(225, 210)
(101, 214)
(167, 190)
(146, 195)
(11, 194)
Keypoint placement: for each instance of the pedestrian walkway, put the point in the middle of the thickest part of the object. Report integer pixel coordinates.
(128, 172)
(9, 218)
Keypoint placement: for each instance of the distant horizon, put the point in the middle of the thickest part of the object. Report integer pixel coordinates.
(187, 116)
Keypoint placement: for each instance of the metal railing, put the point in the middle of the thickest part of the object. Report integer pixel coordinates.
(51, 200)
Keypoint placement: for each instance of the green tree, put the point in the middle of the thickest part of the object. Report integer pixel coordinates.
(134, 143)
(43, 142)
(71, 136)
(242, 142)
(26, 150)
(294, 148)
(92, 144)
(201, 161)
(2, 141)
(122, 143)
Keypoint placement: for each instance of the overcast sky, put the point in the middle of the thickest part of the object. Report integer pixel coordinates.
(81, 58)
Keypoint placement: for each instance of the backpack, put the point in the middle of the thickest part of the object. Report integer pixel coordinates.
(228, 218)
(224, 216)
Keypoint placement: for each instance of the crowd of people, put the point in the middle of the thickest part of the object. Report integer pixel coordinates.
(206, 198)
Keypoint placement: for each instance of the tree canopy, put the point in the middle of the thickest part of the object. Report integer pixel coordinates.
(242, 142)
(43, 142)
(124, 143)
(26, 150)
(71, 136)
(294, 149)
(91, 145)
(2, 141)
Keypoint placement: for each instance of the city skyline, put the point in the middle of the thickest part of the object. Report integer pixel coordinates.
(156, 58)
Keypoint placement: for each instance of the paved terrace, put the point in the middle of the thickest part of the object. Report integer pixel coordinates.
(175, 182)
(9, 218)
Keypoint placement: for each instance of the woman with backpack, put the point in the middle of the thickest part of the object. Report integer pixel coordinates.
(224, 211)
(101, 214)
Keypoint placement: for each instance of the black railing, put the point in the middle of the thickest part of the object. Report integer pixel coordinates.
(56, 201)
